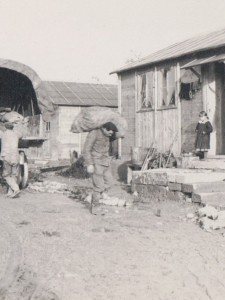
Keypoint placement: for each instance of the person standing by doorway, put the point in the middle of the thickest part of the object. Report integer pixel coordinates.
(10, 158)
(203, 130)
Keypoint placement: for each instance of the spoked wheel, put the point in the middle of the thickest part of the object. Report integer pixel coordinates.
(23, 177)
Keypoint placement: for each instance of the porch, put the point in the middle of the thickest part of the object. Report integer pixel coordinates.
(196, 181)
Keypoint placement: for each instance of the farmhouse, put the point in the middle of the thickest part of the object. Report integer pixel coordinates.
(50, 107)
(162, 94)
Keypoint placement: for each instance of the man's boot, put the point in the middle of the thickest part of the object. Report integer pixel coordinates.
(96, 207)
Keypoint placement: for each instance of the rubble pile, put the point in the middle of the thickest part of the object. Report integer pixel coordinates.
(49, 187)
(81, 193)
(115, 201)
(209, 218)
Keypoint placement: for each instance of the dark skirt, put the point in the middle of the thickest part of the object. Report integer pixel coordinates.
(202, 142)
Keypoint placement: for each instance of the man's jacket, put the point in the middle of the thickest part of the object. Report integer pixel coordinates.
(96, 148)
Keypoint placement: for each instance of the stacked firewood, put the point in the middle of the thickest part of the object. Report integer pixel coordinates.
(161, 160)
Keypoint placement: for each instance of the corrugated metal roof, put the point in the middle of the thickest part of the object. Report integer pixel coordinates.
(82, 94)
(199, 43)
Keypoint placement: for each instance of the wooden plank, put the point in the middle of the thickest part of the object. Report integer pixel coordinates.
(32, 106)
(148, 157)
(155, 104)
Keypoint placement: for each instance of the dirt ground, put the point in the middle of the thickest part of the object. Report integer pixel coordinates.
(51, 247)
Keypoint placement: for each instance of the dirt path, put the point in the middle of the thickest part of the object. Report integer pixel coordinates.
(51, 247)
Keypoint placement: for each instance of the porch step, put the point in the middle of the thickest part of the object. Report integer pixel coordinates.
(216, 199)
(203, 187)
(212, 162)
(218, 164)
(164, 176)
(206, 177)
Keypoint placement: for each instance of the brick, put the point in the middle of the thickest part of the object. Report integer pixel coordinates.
(153, 178)
(203, 187)
(198, 177)
(174, 186)
(147, 193)
(216, 199)
(179, 196)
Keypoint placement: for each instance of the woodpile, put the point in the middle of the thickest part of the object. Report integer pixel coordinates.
(155, 160)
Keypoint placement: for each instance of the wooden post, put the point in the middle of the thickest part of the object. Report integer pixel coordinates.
(137, 139)
(41, 131)
(155, 105)
(210, 104)
(32, 106)
(177, 78)
(18, 107)
(120, 111)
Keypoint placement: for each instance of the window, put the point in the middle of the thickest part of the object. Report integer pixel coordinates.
(146, 90)
(166, 87)
(190, 82)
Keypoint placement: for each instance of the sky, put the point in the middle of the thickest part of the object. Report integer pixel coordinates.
(85, 40)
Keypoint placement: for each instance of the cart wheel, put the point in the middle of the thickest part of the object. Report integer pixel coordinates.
(23, 171)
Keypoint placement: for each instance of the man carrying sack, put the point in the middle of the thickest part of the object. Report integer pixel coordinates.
(97, 159)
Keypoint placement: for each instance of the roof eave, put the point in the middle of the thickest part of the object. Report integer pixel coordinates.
(164, 60)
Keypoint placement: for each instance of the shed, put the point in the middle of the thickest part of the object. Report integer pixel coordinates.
(68, 99)
(162, 94)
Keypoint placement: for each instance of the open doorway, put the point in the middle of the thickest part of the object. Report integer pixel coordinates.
(191, 105)
(219, 120)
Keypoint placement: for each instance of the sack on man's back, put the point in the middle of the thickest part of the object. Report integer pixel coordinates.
(11, 117)
(94, 117)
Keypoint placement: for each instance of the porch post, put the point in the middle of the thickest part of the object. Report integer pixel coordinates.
(178, 148)
(209, 102)
(155, 106)
(120, 111)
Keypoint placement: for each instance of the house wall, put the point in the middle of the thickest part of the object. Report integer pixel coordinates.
(36, 146)
(167, 137)
(128, 112)
(61, 141)
(147, 126)
(51, 145)
(67, 141)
